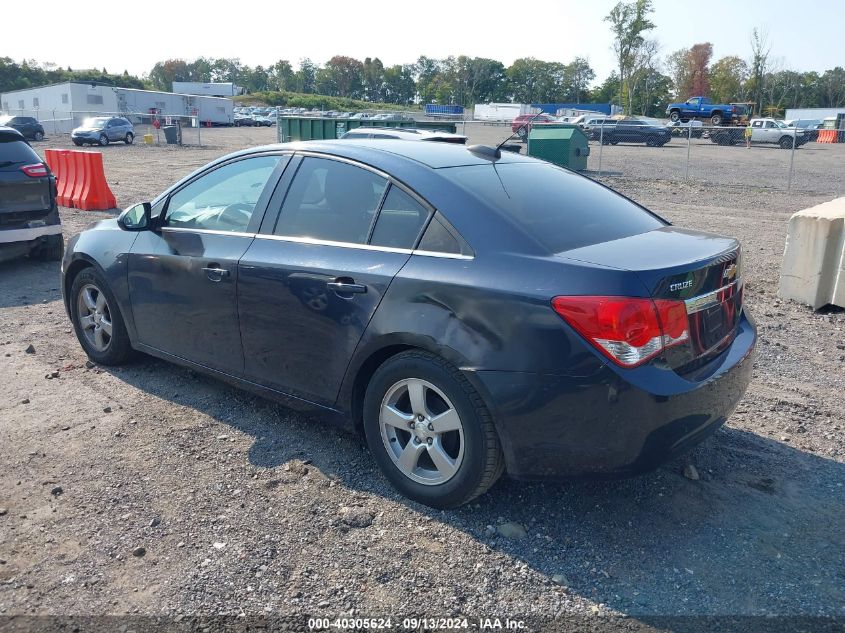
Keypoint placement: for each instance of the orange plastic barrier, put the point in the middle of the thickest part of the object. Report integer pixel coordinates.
(80, 179)
(51, 157)
(827, 136)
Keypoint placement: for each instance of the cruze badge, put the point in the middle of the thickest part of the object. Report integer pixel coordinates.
(681, 285)
(730, 272)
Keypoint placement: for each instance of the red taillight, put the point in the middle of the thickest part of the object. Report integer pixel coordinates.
(38, 170)
(628, 330)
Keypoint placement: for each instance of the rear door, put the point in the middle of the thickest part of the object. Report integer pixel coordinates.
(312, 279)
(23, 197)
(113, 130)
(183, 277)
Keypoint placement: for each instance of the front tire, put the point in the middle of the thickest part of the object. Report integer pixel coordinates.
(786, 143)
(104, 140)
(430, 432)
(39, 136)
(97, 320)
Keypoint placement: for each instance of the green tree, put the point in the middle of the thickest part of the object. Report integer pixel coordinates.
(341, 77)
(306, 77)
(281, 75)
(628, 21)
(426, 71)
(727, 79)
(399, 86)
(373, 78)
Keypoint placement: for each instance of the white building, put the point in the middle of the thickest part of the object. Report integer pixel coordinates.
(222, 89)
(62, 107)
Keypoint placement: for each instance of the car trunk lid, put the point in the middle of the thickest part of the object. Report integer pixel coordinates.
(700, 269)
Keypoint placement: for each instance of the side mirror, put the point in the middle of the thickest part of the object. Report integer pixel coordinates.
(136, 218)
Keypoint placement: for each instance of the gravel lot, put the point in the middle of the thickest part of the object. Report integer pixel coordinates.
(243, 507)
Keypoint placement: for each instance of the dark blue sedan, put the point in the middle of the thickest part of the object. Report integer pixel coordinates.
(470, 312)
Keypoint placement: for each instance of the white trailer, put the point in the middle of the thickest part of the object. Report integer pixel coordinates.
(226, 89)
(501, 111)
(62, 107)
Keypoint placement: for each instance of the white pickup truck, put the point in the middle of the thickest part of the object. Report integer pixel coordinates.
(762, 131)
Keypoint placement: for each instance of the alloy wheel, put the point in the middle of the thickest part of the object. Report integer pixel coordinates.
(422, 431)
(94, 317)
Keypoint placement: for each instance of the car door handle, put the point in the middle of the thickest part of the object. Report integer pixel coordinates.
(215, 273)
(342, 286)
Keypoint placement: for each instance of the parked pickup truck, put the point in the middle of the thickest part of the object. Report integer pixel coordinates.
(763, 131)
(702, 108)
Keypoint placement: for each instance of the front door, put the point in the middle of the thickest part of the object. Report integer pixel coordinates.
(309, 285)
(183, 277)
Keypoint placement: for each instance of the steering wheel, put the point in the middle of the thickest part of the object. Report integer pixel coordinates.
(238, 214)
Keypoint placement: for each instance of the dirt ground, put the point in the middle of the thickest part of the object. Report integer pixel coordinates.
(244, 507)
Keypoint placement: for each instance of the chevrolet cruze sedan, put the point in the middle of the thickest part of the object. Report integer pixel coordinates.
(471, 312)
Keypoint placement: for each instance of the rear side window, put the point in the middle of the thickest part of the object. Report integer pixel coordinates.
(16, 151)
(440, 237)
(400, 220)
(331, 200)
(558, 209)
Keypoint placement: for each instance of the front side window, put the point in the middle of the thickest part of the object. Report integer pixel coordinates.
(223, 199)
(331, 200)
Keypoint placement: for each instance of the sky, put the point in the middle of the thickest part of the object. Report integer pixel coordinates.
(804, 35)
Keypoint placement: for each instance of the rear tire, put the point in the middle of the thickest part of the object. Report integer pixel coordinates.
(469, 439)
(52, 250)
(39, 136)
(716, 119)
(129, 138)
(103, 314)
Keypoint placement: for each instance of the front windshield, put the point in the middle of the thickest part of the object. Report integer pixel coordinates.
(5, 119)
(95, 122)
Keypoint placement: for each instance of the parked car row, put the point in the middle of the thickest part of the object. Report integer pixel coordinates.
(260, 113)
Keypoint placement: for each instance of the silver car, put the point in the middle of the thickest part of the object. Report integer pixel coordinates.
(102, 130)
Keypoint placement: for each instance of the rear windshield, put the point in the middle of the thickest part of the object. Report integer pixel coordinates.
(16, 151)
(558, 209)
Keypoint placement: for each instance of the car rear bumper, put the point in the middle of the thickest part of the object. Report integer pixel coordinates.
(614, 423)
(29, 233)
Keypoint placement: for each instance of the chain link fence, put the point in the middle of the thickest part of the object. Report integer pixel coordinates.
(761, 153)
(765, 153)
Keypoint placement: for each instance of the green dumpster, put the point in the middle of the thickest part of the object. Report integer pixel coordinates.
(561, 144)
(293, 128)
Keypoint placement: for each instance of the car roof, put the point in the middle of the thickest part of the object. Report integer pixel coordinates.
(380, 152)
(409, 131)
(10, 134)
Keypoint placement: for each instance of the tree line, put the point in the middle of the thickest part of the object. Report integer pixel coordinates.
(645, 81)
(454, 80)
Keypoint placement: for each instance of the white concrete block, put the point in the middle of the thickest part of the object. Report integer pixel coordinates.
(813, 270)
